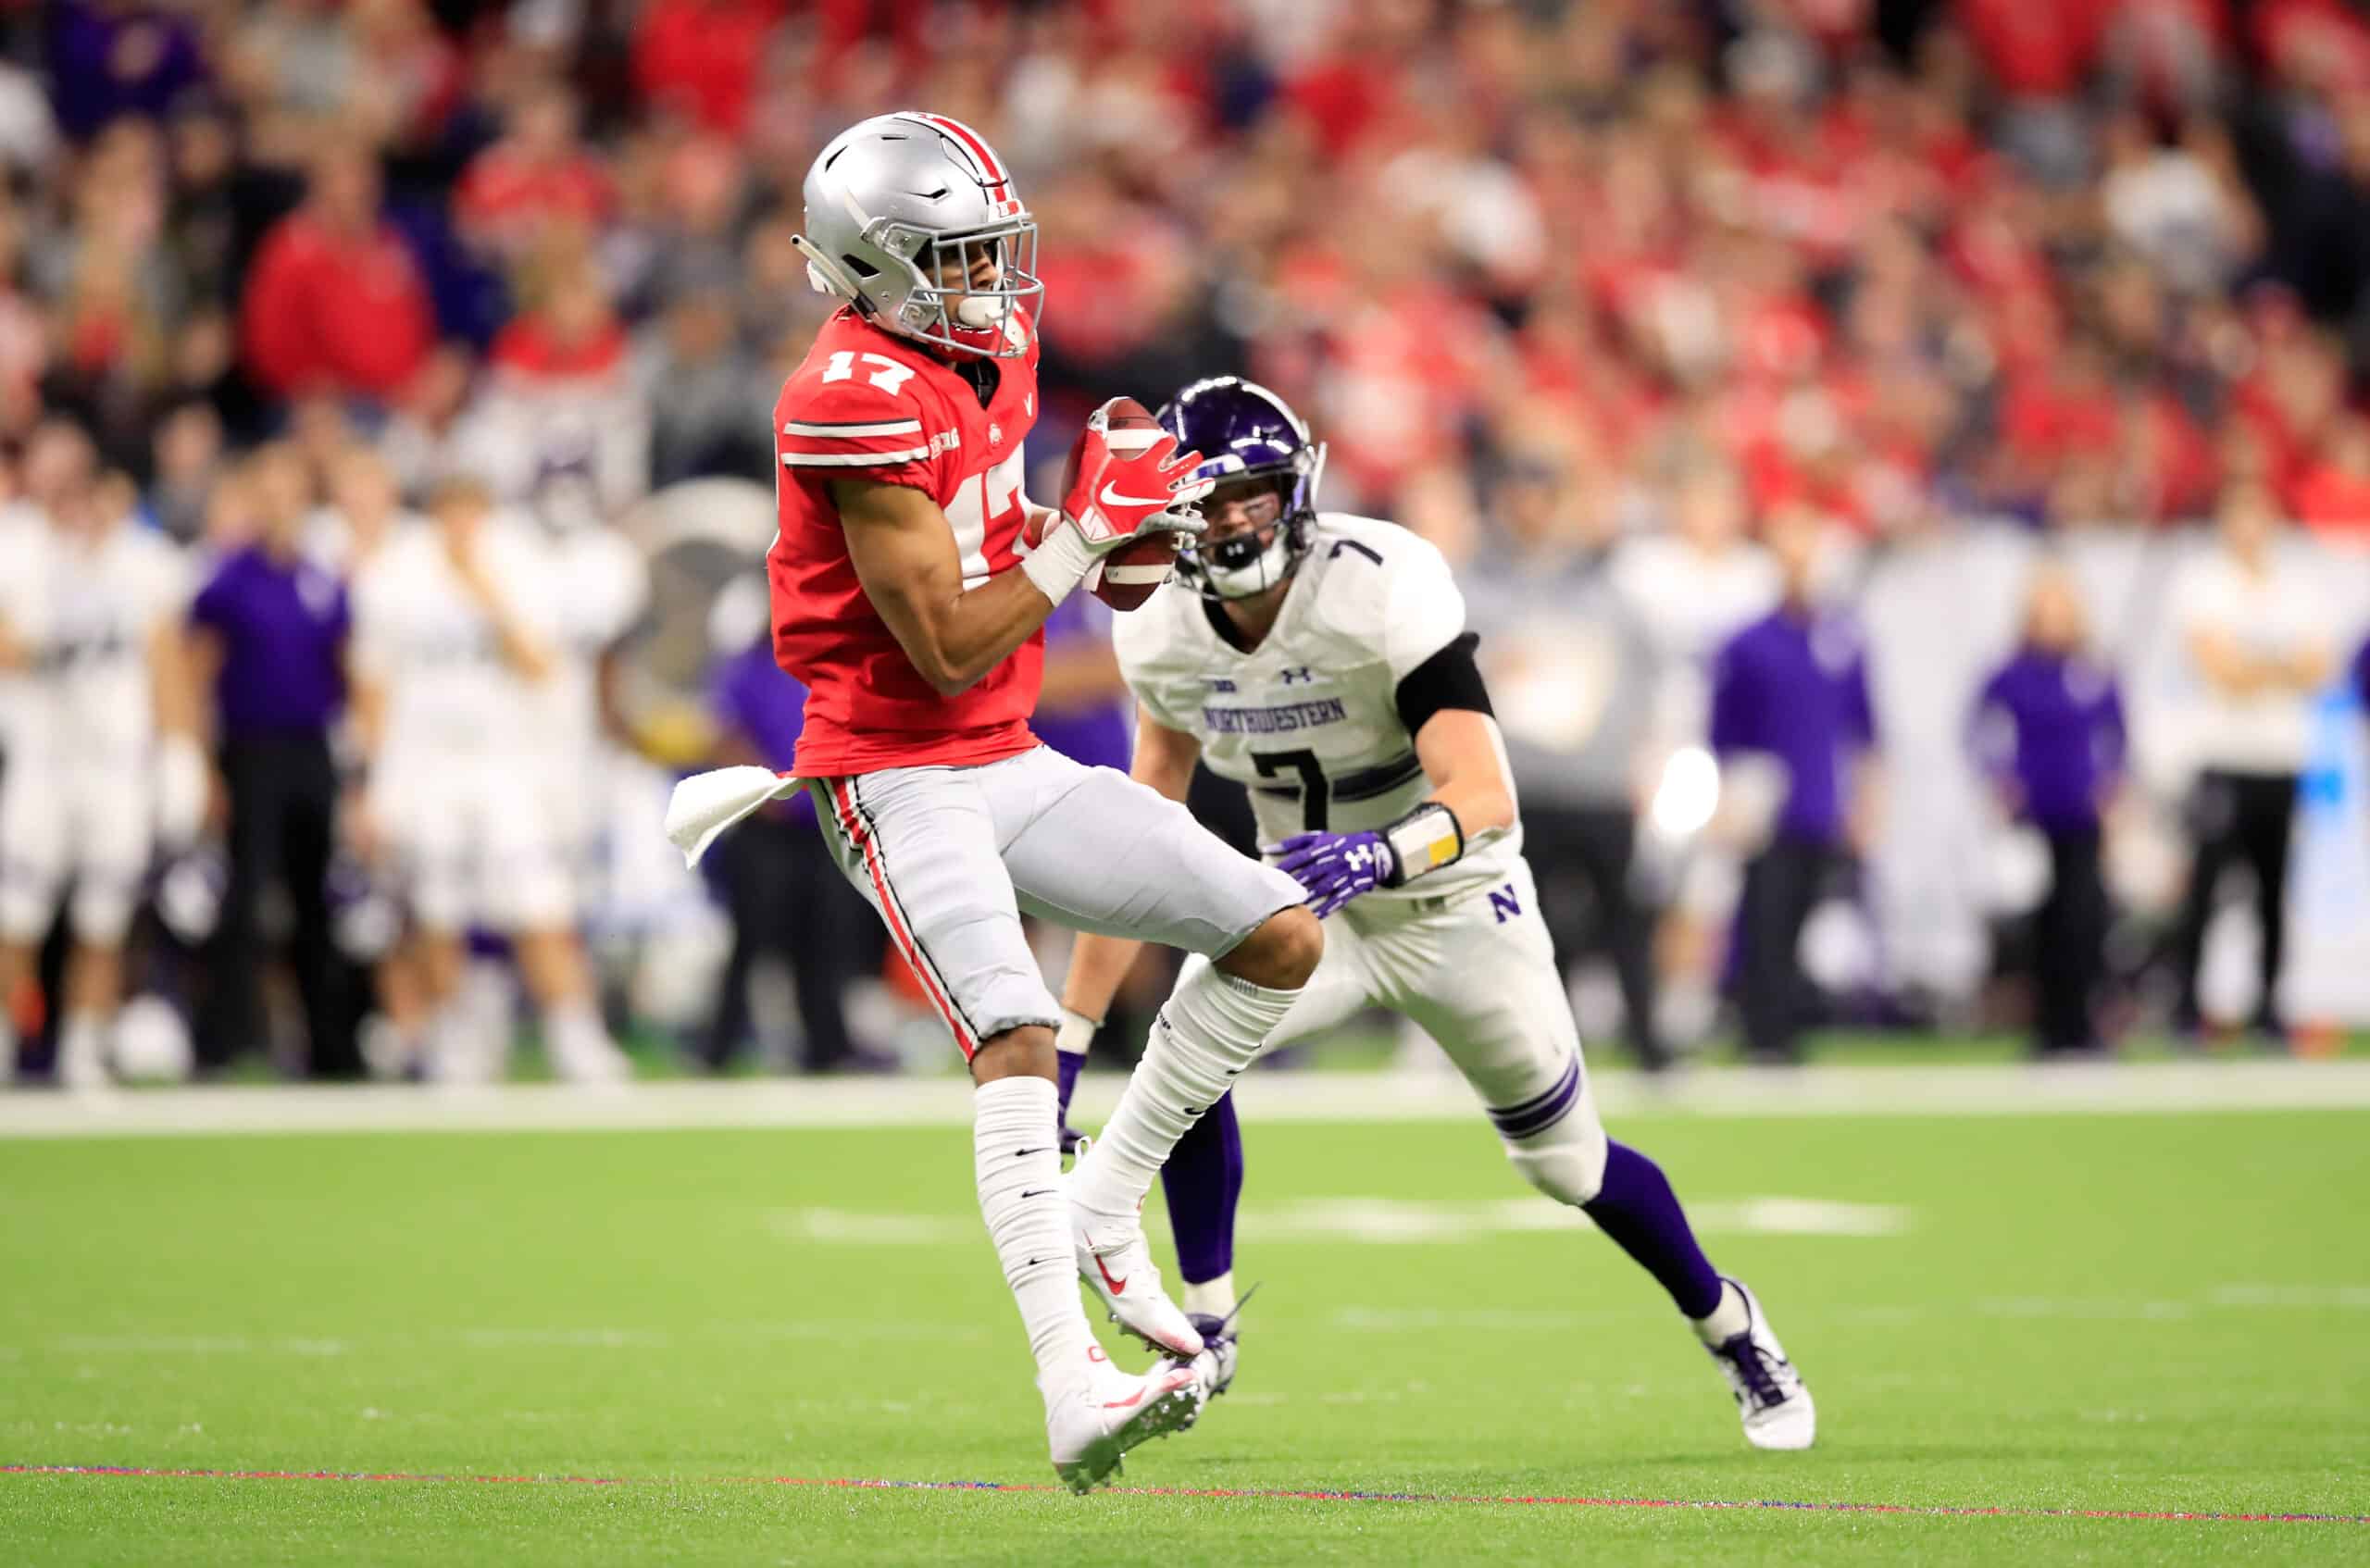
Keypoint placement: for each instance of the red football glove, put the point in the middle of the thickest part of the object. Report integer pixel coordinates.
(1129, 484)
(1124, 485)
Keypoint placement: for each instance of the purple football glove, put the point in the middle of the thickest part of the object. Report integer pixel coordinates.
(1335, 868)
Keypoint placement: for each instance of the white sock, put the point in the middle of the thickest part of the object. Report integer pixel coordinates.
(1211, 1298)
(7, 1045)
(1210, 1028)
(82, 1039)
(1728, 1319)
(458, 1050)
(1016, 1140)
(579, 1040)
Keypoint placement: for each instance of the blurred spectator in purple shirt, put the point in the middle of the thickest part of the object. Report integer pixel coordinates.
(1793, 688)
(785, 893)
(2049, 734)
(269, 633)
(114, 58)
(1082, 711)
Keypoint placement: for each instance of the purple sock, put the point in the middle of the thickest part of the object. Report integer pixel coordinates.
(1069, 1063)
(1203, 1181)
(1636, 1207)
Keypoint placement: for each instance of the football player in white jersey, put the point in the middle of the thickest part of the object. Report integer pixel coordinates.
(103, 761)
(456, 630)
(1322, 662)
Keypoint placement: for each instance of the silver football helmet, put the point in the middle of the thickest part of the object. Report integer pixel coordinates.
(902, 211)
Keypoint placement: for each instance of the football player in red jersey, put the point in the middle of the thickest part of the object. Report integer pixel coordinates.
(911, 580)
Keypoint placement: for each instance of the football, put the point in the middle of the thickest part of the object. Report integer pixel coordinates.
(1127, 577)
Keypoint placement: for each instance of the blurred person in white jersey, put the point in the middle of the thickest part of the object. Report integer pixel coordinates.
(103, 764)
(456, 632)
(603, 586)
(1693, 587)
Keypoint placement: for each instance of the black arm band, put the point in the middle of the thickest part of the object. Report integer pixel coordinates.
(1448, 679)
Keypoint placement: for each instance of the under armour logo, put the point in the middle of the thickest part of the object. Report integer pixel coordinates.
(1220, 683)
(1303, 673)
(1360, 858)
(995, 435)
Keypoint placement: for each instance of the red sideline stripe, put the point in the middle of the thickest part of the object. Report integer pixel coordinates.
(862, 841)
(2183, 1516)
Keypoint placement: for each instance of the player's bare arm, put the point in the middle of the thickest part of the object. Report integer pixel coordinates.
(183, 778)
(2309, 667)
(905, 554)
(1466, 765)
(1164, 763)
(522, 649)
(365, 699)
(2228, 665)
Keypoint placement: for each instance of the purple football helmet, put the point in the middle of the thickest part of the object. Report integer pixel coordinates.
(1246, 432)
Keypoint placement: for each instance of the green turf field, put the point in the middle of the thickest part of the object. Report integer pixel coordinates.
(2142, 1313)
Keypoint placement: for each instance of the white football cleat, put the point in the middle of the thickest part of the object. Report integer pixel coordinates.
(1088, 1430)
(1771, 1396)
(1113, 1258)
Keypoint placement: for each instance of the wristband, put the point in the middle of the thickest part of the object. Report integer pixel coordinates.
(1423, 841)
(1060, 562)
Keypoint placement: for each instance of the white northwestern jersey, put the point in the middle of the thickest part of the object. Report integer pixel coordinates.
(1309, 721)
(22, 527)
(602, 586)
(87, 613)
(420, 631)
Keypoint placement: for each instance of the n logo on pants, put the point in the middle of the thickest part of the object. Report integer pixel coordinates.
(1503, 904)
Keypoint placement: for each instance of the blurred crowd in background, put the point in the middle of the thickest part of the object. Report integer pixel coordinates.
(1825, 402)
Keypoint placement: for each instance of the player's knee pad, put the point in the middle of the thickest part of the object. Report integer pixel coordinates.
(1557, 1141)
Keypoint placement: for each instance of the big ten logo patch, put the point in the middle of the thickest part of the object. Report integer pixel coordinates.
(1504, 904)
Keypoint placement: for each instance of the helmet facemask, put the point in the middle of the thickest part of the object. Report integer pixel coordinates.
(941, 302)
(1246, 565)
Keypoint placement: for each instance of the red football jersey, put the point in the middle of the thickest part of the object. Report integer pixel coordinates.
(868, 405)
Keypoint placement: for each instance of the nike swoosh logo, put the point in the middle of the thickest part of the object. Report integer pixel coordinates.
(1111, 497)
(1129, 1402)
(1118, 1286)
(1024, 1153)
(1037, 1192)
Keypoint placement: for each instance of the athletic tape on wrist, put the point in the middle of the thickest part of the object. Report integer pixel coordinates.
(1059, 564)
(1423, 841)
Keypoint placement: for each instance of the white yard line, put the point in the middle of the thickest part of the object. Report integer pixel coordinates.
(1981, 1090)
(1385, 1221)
